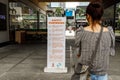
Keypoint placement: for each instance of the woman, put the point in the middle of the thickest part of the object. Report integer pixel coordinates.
(86, 41)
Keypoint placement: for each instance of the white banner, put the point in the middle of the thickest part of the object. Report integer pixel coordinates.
(56, 45)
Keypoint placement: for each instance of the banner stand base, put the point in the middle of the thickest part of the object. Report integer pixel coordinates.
(55, 70)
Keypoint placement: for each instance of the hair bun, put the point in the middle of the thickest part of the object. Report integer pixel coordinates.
(96, 5)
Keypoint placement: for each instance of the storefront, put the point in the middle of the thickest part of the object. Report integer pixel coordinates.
(26, 22)
(113, 19)
(4, 31)
(117, 20)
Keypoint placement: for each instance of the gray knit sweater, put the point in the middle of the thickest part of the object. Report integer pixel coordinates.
(86, 41)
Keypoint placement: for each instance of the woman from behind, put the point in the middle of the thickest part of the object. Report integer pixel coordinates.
(86, 40)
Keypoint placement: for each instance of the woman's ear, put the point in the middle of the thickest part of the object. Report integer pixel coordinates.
(88, 16)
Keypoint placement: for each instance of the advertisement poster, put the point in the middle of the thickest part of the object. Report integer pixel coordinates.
(56, 45)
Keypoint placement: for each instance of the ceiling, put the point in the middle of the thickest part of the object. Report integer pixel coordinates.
(43, 3)
(62, 0)
(106, 3)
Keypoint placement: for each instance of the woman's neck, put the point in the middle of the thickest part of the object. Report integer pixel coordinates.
(95, 27)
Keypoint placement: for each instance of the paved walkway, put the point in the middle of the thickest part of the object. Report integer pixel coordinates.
(27, 62)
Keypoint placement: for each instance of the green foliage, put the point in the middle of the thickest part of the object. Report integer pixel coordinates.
(67, 24)
(117, 31)
(81, 12)
(58, 11)
(50, 14)
(118, 10)
(118, 23)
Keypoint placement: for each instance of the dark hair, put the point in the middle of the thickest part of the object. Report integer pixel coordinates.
(95, 10)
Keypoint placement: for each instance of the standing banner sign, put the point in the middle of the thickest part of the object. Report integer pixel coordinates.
(56, 45)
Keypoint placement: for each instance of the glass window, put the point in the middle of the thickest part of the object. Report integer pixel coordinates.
(108, 20)
(117, 29)
(22, 16)
(42, 21)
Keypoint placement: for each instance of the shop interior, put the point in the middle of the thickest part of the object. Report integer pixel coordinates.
(27, 24)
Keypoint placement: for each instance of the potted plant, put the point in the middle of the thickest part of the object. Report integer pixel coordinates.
(118, 10)
(118, 22)
(81, 12)
(58, 12)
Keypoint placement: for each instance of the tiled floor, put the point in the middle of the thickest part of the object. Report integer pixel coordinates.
(27, 62)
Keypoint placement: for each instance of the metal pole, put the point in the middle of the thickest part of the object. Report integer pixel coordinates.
(71, 60)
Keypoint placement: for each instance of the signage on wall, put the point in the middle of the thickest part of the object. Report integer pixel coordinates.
(3, 17)
(56, 45)
(69, 12)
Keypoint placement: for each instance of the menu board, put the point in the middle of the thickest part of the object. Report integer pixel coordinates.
(56, 43)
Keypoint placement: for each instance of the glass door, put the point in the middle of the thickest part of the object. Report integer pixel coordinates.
(117, 29)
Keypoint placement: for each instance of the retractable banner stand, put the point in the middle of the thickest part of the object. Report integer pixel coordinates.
(56, 45)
